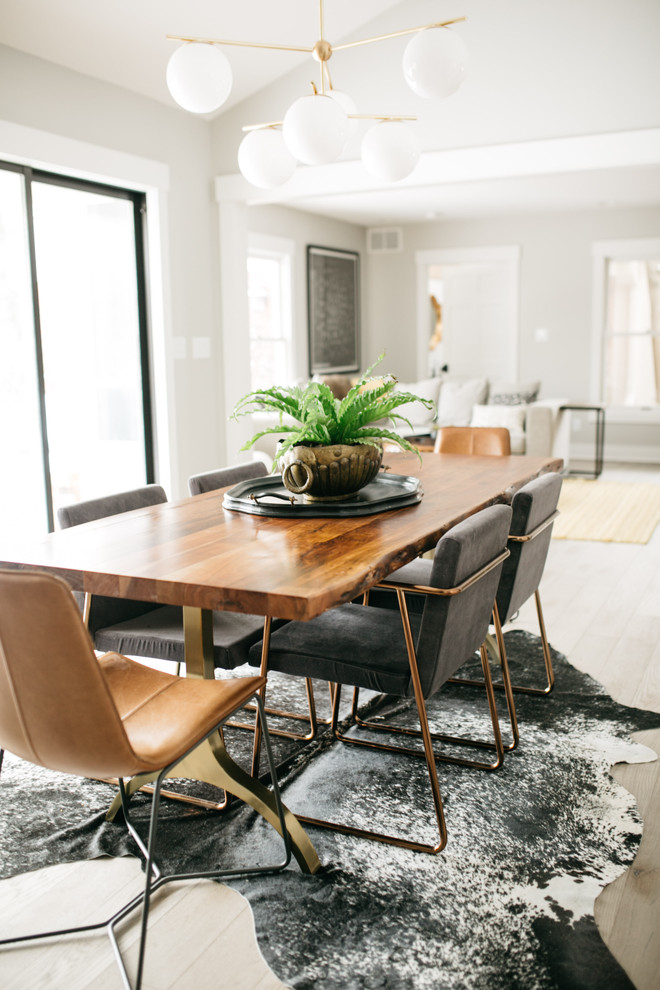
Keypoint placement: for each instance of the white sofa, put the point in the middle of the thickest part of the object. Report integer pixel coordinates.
(537, 427)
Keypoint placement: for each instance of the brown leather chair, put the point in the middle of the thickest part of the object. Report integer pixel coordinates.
(494, 440)
(144, 629)
(107, 717)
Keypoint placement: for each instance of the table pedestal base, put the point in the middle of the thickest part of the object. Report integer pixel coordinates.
(211, 764)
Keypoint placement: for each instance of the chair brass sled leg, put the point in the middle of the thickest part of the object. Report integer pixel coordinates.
(394, 840)
(499, 651)
(457, 740)
(311, 718)
(428, 752)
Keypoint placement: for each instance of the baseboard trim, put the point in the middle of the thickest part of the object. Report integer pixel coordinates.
(623, 453)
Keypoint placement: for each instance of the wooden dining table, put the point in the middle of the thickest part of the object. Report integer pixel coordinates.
(198, 554)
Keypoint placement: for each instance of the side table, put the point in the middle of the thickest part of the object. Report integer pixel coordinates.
(599, 436)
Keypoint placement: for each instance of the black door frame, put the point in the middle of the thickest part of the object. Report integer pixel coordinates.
(139, 201)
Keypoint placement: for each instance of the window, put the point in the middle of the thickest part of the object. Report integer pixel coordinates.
(626, 329)
(632, 333)
(269, 266)
(74, 377)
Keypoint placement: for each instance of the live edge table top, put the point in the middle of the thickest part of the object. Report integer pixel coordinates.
(195, 552)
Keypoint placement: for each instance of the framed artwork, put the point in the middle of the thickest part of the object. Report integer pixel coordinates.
(333, 308)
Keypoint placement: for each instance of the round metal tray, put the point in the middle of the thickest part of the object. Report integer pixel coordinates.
(268, 497)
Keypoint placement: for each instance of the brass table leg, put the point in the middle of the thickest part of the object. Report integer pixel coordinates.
(210, 762)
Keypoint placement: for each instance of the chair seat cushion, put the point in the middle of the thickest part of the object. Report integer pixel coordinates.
(159, 634)
(345, 645)
(164, 716)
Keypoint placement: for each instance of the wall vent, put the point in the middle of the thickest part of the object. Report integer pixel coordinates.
(384, 240)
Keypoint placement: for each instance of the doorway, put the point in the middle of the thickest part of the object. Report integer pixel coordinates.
(468, 312)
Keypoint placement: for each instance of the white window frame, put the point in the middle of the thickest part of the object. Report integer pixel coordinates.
(602, 252)
(283, 250)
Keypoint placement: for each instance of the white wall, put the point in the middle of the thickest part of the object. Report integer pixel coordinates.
(555, 284)
(556, 271)
(56, 103)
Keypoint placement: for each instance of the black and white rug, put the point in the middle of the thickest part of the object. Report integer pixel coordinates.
(508, 905)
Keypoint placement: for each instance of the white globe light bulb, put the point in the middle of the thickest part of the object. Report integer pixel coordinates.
(315, 129)
(264, 159)
(199, 77)
(435, 62)
(389, 150)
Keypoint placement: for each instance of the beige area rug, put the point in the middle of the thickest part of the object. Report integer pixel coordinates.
(608, 511)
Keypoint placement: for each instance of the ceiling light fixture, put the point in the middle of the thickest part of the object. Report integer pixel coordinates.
(316, 127)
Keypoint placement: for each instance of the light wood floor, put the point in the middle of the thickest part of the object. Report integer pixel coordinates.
(602, 609)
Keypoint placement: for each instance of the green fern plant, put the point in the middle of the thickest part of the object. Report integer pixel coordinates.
(319, 418)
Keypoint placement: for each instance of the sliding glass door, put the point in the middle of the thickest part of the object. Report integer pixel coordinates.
(75, 420)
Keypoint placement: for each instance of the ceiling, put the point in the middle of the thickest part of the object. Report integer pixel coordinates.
(125, 43)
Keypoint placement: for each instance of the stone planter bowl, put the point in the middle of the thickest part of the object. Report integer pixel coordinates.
(330, 473)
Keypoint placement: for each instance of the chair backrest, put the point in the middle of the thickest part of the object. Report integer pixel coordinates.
(210, 481)
(532, 505)
(55, 706)
(110, 505)
(454, 626)
(106, 611)
(495, 440)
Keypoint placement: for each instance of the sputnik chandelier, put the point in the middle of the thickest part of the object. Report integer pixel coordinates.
(316, 127)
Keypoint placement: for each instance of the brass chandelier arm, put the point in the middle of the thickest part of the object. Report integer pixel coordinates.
(378, 116)
(351, 116)
(262, 127)
(239, 44)
(307, 50)
(397, 34)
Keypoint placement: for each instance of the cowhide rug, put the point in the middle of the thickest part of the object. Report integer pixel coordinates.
(509, 902)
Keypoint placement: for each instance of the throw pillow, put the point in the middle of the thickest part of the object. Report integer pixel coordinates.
(513, 393)
(511, 418)
(457, 400)
(339, 385)
(421, 418)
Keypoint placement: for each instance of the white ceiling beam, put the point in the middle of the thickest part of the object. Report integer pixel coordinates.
(529, 158)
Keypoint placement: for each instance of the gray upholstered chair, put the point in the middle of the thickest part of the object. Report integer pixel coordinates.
(534, 510)
(105, 717)
(142, 629)
(409, 655)
(210, 481)
(107, 610)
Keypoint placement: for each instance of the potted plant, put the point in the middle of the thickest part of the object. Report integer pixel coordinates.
(330, 448)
